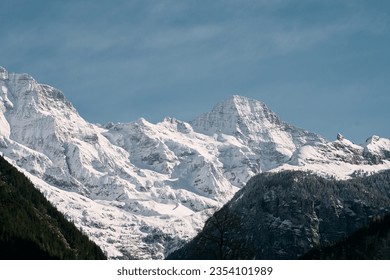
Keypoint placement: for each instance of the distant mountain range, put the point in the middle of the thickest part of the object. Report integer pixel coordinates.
(142, 190)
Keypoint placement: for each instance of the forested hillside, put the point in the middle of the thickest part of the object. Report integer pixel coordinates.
(31, 228)
(368, 243)
(285, 215)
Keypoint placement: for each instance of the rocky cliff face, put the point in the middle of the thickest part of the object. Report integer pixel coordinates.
(284, 215)
(141, 189)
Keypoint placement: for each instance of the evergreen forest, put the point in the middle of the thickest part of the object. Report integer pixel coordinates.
(31, 228)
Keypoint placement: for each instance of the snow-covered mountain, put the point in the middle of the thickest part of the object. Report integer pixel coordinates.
(140, 189)
(341, 158)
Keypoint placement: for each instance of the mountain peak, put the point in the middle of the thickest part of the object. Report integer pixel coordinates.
(245, 106)
(239, 99)
(3, 73)
(236, 115)
(340, 137)
(24, 90)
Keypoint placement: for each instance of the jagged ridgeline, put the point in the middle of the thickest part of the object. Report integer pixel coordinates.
(139, 189)
(31, 228)
(285, 215)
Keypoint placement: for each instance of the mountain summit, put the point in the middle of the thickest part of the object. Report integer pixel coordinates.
(238, 116)
(3, 73)
(256, 126)
(138, 189)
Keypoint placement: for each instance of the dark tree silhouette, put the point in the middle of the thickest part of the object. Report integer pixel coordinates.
(32, 228)
(216, 230)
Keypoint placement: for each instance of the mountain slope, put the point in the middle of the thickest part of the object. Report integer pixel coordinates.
(284, 215)
(31, 228)
(368, 243)
(141, 189)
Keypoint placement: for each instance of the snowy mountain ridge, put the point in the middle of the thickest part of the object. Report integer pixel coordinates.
(139, 189)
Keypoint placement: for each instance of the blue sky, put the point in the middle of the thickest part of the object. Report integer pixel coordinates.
(320, 65)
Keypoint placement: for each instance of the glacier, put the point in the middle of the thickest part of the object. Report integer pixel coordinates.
(140, 190)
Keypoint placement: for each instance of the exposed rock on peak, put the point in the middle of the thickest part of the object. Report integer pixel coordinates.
(377, 149)
(340, 137)
(373, 139)
(3, 73)
(237, 115)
